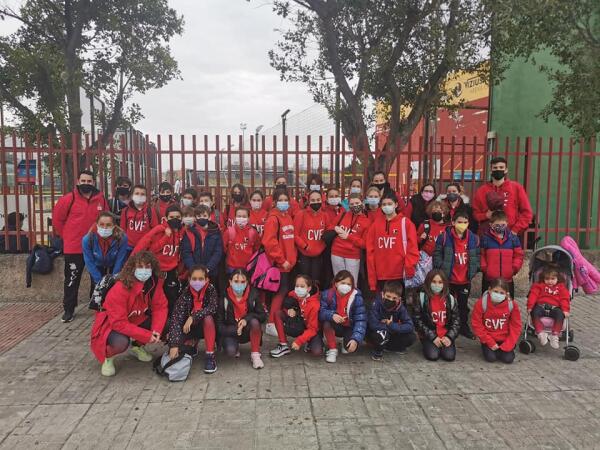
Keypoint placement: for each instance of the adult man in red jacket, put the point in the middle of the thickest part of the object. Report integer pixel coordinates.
(72, 217)
(502, 194)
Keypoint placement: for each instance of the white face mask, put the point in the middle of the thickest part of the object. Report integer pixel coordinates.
(189, 221)
(186, 202)
(241, 221)
(388, 209)
(497, 297)
(334, 201)
(105, 232)
(315, 187)
(256, 204)
(301, 291)
(355, 190)
(139, 200)
(344, 288)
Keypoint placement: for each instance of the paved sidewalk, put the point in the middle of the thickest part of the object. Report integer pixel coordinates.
(52, 396)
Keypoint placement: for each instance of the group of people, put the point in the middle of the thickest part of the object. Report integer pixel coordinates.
(344, 261)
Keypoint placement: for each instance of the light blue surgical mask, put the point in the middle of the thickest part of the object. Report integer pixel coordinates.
(238, 288)
(388, 209)
(372, 201)
(355, 190)
(105, 232)
(283, 206)
(301, 291)
(497, 297)
(436, 288)
(143, 275)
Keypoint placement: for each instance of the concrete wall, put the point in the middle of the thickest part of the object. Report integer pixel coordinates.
(49, 288)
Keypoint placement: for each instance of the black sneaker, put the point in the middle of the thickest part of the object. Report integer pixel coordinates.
(67, 317)
(280, 350)
(377, 355)
(210, 366)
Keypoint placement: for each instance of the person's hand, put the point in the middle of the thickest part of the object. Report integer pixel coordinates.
(446, 341)
(188, 325)
(488, 214)
(337, 318)
(567, 313)
(286, 265)
(155, 339)
(291, 312)
(437, 342)
(295, 346)
(423, 236)
(387, 321)
(352, 346)
(174, 352)
(339, 230)
(168, 232)
(240, 326)
(495, 347)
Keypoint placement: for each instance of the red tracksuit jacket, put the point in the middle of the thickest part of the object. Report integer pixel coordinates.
(435, 230)
(160, 208)
(308, 231)
(239, 250)
(497, 325)
(228, 215)
(74, 223)
(166, 248)
(309, 309)
(386, 259)
(358, 225)
(258, 218)
(332, 214)
(278, 239)
(516, 204)
(135, 222)
(541, 293)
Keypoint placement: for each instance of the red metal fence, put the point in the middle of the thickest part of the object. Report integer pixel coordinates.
(561, 176)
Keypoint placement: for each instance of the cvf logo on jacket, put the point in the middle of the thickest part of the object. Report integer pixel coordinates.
(498, 323)
(170, 249)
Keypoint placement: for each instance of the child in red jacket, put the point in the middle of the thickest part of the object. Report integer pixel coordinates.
(299, 318)
(309, 226)
(496, 321)
(258, 215)
(549, 297)
(240, 241)
(433, 227)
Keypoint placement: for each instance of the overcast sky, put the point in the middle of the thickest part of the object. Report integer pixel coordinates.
(227, 78)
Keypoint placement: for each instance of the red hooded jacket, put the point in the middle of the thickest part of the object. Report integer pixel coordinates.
(73, 216)
(357, 225)
(164, 245)
(278, 239)
(435, 230)
(135, 222)
(228, 215)
(332, 213)
(240, 244)
(497, 325)
(160, 208)
(308, 232)
(541, 293)
(258, 218)
(516, 204)
(386, 259)
(125, 311)
(501, 257)
(309, 308)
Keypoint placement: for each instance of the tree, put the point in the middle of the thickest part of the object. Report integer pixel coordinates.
(571, 32)
(396, 51)
(110, 48)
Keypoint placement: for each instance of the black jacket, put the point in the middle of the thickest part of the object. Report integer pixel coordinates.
(425, 326)
(225, 315)
(183, 310)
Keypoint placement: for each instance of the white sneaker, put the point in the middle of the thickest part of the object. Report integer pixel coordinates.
(257, 362)
(344, 351)
(108, 367)
(553, 341)
(331, 355)
(271, 330)
(543, 337)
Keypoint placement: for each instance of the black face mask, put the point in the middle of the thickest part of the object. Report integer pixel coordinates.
(202, 222)
(123, 191)
(452, 197)
(389, 304)
(174, 223)
(437, 216)
(281, 186)
(237, 197)
(498, 174)
(315, 206)
(381, 185)
(165, 198)
(86, 188)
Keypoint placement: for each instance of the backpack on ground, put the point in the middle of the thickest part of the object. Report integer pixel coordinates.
(40, 260)
(176, 369)
(100, 291)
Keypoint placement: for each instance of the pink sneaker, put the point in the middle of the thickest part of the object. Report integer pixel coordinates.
(257, 362)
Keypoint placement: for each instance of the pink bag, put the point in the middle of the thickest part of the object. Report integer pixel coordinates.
(265, 276)
(586, 275)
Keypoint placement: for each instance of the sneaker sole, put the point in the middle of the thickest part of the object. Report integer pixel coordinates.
(279, 355)
(210, 371)
(67, 320)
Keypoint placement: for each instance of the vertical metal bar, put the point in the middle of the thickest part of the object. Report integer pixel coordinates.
(590, 194)
(263, 141)
(206, 164)
(549, 186)
(159, 150)
(228, 162)
(570, 172)
(184, 185)
(518, 158)
(253, 144)
(218, 174)
(559, 185)
(241, 153)
(16, 191)
(149, 163)
(194, 162)
(297, 150)
(537, 188)
(579, 186)
(321, 156)
(40, 187)
(171, 162)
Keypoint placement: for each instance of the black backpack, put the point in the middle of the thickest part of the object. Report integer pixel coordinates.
(100, 292)
(40, 260)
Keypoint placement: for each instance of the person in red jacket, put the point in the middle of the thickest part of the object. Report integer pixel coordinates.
(138, 218)
(433, 227)
(351, 229)
(165, 199)
(333, 206)
(164, 242)
(299, 318)
(309, 225)
(501, 252)
(240, 241)
(392, 246)
(278, 241)
(135, 309)
(239, 197)
(515, 204)
(258, 215)
(549, 298)
(281, 183)
(496, 321)
(72, 217)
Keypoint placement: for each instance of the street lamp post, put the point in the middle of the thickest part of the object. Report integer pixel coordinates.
(258, 128)
(283, 142)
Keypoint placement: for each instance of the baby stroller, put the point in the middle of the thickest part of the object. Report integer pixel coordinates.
(561, 259)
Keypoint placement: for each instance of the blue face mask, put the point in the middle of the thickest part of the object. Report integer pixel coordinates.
(143, 274)
(238, 288)
(105, 232)
(372, 201)
(283, 206)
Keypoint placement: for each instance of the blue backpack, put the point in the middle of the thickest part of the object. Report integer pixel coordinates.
(41, 260)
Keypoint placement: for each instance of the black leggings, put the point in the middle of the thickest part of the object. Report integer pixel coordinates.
(397, 342)
(433, 353)
(230, 340)
(497, 355)
(311, 266)
(461, 294)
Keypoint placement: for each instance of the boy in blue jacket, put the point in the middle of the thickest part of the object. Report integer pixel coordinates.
(390, 326)
(202, 243)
